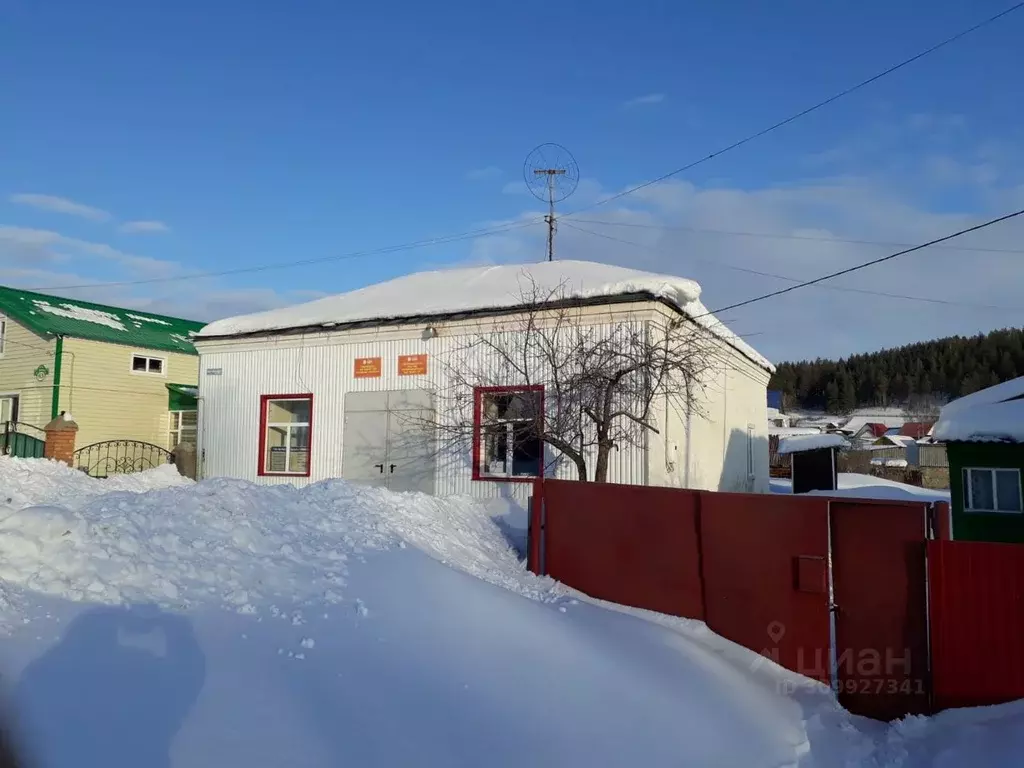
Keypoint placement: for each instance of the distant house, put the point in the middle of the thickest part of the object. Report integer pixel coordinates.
(984, 437)
(122, 374)
(916, 429)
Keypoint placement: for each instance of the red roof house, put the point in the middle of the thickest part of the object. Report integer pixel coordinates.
(916, 429)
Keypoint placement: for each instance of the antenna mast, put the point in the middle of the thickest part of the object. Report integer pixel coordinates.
(551, 173)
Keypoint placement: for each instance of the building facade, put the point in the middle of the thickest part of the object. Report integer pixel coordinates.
(984, 437)
(123, 374)
(368, 402)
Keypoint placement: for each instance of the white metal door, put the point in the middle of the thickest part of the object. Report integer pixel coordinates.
(364, 450)
(411, 451)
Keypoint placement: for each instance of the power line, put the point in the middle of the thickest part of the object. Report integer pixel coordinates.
(778, 236)
(807, 111)
(843, 289)
(304, 262)
(872, 263)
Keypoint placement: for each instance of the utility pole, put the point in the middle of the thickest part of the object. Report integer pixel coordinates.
(550, 173)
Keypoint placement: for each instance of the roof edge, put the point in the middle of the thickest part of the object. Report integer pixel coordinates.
(623, 298)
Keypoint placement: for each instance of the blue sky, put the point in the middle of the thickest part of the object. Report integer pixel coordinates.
(259, 132)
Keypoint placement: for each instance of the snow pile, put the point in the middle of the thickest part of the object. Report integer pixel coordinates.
(811, 442)
(857, 486)
(223, 541)
(373, 653)
(995, 414)
(24, 482)
(889, 462)
(87, 314)
(146, 319)
(792, 431)
(448, 292)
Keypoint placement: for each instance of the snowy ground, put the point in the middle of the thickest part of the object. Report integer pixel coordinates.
(856, 486)
(213, 624)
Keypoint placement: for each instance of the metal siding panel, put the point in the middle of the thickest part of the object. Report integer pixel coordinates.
(325, 367)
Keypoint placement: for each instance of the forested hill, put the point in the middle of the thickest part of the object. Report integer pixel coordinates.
(932, 371)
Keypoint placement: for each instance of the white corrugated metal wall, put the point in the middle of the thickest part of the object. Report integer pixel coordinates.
(234, 375)
(707, 453)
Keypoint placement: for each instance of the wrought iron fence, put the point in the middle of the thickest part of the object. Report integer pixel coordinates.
(119, 457)
(23, 440)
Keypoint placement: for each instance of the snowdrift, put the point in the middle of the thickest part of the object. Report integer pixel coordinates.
(224, 541)
(170, 623)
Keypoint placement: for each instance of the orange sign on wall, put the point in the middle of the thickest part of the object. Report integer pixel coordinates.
(367, 367)
(412, 365)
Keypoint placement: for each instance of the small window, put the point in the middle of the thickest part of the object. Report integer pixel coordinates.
(3, 333)
(286, 425)
(508, 430)
(992, 490)
(8, 408)
(147, 364)
(183, 427)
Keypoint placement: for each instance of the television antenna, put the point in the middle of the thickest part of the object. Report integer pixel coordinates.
(551, 174)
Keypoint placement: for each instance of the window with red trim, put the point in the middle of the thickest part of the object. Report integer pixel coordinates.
(507, 426)
(286, 434)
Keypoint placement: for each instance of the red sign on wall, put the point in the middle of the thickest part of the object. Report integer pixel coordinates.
(412, 365)
(367, 368)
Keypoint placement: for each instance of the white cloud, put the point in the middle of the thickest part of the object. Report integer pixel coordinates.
(22, 245)
(133, 227)
(816, 320)
(60, 205)
(516, 187)
(645, 100)
(480, 174)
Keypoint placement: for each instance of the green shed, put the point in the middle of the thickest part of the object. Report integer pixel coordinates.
(984, 436)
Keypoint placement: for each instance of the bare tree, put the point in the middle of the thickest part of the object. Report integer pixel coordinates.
(583, 384)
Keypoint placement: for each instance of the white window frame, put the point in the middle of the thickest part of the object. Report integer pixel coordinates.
(965, 478)
(287, 426)
(483, 471)
(12, 396)
(176, 427)
(149, 359)
(3, 334)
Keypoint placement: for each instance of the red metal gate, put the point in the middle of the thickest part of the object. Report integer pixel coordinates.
(765, 578)
(759, 570)
(881, 624)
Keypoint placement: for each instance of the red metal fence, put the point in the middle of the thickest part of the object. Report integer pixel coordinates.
(587, 546)
(977, 617)
(834, 589)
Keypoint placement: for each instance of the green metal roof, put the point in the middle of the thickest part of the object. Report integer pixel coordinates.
(58, 316)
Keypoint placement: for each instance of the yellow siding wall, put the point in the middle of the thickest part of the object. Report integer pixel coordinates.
(24, 352)
(109, 402)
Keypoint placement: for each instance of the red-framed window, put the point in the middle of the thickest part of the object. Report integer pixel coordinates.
(507, 427)
(286, 435)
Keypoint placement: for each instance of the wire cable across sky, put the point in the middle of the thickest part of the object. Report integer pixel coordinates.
(804, 112)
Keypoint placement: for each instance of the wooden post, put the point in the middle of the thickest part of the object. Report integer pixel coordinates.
(60, 439)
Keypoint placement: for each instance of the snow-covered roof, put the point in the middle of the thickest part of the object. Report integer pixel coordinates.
(800, 443)
(995, 414)
(475, 289)
(792, 431)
